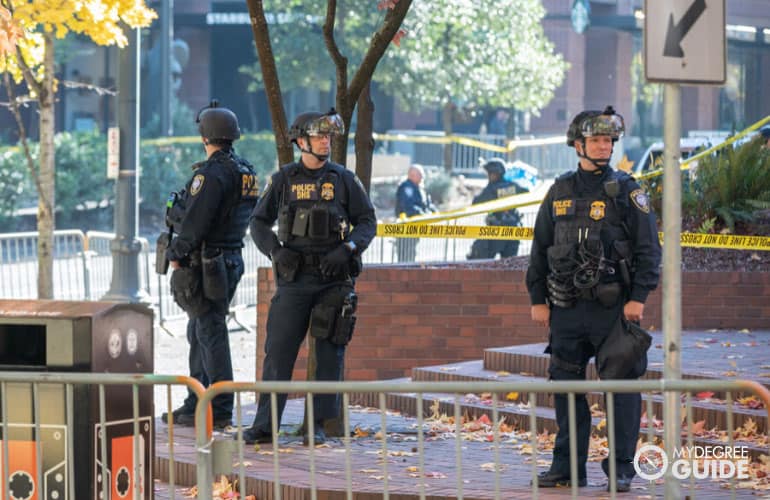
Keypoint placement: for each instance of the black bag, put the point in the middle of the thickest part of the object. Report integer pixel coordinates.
(187, 290)
(623, 354)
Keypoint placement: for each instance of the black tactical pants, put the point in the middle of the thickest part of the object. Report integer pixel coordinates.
(576, 333)
(287, 326)
(209, 358)
(488, 249)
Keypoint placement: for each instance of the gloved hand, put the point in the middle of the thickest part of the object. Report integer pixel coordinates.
(336, 262)
(285, 262)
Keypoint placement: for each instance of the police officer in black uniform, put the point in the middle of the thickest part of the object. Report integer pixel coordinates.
(209, 218)
(411, 200)
(595, 257)
(497, 187)
(325, 221)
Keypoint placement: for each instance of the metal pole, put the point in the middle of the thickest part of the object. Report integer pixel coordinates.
(126, 247)
(672, 272)
(166, 34)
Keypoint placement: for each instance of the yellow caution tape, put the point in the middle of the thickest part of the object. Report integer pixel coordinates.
(447, 231)
(467, 141)
(412, 230)
(686, 163)
(731, 241)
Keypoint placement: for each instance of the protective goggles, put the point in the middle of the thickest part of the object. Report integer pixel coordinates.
(611, 125)
(330, 124)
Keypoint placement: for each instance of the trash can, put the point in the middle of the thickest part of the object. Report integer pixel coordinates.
(71, 336)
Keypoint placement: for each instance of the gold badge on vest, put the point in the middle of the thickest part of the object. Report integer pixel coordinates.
(327, 191)
(597, 210)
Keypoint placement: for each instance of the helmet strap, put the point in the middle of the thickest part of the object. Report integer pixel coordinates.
(599, 163)
(310, 150)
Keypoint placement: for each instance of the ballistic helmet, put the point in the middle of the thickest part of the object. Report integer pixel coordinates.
(217, 124)
(765, 131)
(495, 165)
(314, 123)
(591, 123)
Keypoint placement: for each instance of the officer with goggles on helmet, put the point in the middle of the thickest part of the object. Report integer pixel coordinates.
(209, 218)
(595, 258)
(325, 221)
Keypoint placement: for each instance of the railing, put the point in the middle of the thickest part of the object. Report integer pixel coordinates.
(456, 389)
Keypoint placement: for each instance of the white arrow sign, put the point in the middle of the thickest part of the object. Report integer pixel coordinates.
(684, 41)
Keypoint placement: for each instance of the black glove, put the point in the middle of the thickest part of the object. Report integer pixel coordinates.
(336, 262)
(285, 262)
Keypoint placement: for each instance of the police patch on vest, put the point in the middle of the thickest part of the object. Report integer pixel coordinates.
(196, 185)
(305, 191)
(327, 191)
(563, 207)
(597, 210)
(640, 199)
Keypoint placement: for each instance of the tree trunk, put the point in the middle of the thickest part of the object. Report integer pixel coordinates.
(363, 139)
(284, 147)
(46, 200)
(447, 114)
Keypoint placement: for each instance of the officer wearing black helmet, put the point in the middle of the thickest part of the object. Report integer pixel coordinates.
(595, 257)
(498, 187)
(209, 218)
(325, 221)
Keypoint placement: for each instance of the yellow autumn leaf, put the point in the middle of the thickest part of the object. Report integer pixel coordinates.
(512, 396)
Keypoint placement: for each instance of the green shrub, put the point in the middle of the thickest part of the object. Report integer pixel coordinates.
(731, 186)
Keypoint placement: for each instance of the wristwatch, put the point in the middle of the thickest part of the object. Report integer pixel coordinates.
(350, 246)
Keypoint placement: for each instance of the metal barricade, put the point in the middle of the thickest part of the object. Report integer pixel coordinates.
(100, 264)
(18, 273)
(128, 442)
(456, 389)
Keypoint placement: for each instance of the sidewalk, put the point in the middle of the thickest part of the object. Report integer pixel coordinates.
(443, 476)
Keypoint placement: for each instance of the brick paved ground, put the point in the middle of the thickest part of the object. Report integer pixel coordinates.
(706, 353)
(442, 478)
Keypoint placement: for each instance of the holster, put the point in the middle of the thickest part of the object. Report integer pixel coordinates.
(187, 290)
(287, 270)
(333, 318)
(214, 276)
(161, 245)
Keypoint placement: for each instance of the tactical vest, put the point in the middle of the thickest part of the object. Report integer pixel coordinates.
(592, 216)
(232, 222)
(229, 227)
(312, 217)
(590, 238)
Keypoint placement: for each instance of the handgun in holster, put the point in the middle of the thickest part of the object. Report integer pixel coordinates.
(161, 245)
(214, 274)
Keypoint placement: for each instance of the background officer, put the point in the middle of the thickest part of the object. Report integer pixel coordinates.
(497, 187)
(595, 257)
(325, 221)
(411, 200)
(210, 217)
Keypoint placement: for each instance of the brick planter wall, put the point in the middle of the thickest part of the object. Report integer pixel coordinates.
(412, 316)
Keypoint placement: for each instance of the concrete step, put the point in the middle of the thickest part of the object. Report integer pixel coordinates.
(518, 414)
(530, 360)
(714, 414)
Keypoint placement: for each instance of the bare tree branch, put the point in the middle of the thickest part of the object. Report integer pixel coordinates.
(377, 47)
(284, 147)
(14, 108)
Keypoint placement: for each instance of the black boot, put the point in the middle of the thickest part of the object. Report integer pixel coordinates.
(552, 479)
